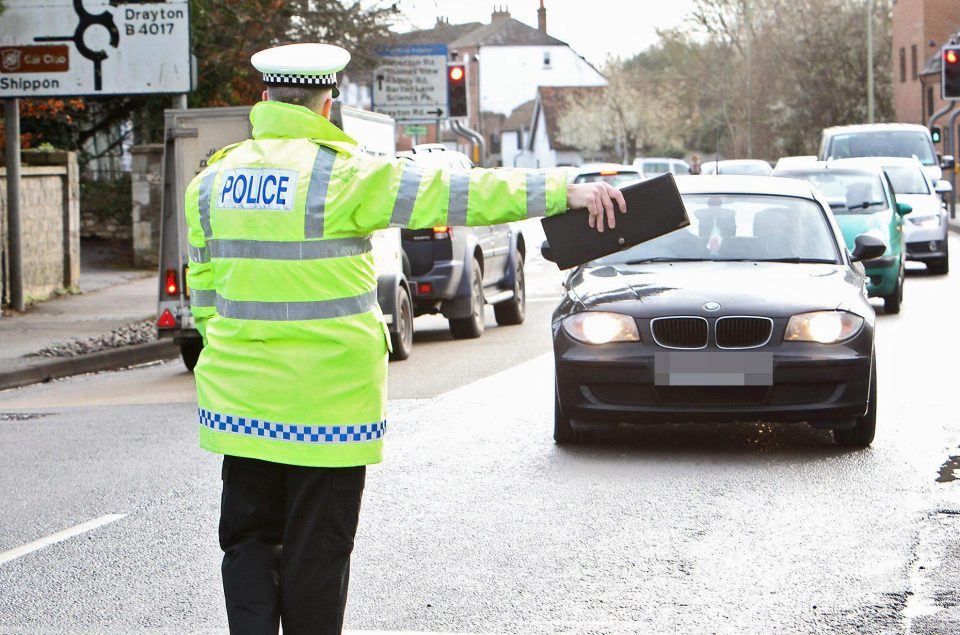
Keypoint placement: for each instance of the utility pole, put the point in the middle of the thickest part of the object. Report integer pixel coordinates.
(749, 56)
(11, 115)
(870, 114)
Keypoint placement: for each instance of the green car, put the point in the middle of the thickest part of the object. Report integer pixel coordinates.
(863, 202)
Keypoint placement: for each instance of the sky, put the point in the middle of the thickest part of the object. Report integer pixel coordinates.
(595, 29)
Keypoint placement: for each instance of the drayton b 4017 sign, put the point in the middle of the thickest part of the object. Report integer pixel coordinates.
(94, 47)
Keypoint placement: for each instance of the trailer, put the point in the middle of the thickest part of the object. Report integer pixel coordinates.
(192, 136)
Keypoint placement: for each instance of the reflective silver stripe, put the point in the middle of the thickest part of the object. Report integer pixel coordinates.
(301, 250)
(459, 197)
(536, 194)
(199, 255)
(206, 189)
(317, 192)
(201, 298)
(406, 195)
(290, 311)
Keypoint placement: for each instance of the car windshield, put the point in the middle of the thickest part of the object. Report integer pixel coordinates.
(883, 144)
(613, 178)
(907, 180)
(681, 168)
(847, 192)
(732, 227)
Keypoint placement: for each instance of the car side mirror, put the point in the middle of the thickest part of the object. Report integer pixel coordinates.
(904, 208)
(947, 162)
(867, 247)
(546, 252)
(943, 187)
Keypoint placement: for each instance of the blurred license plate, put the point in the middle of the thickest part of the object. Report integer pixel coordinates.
(713, 368)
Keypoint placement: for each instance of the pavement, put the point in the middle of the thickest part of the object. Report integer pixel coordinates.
(111, 296)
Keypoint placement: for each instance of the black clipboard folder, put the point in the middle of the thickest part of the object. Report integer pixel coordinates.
(654, 208)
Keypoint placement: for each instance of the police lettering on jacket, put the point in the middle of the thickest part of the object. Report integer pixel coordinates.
(258, 188)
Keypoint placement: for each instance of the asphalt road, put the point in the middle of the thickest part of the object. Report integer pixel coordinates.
(478, 523)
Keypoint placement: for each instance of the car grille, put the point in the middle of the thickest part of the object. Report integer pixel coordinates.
(680, 332)
(743, 332)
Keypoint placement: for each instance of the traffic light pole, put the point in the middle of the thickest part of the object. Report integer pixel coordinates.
(953, 139)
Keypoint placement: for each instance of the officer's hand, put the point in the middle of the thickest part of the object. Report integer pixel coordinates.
(598, 198)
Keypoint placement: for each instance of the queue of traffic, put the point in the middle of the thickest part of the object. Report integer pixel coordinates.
(759, 309)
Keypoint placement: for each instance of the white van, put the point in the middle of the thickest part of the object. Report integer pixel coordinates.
(885, 140)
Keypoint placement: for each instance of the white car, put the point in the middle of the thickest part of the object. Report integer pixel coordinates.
(786, 163)
(613, 173)
(885, 140)
(742, 167)
(925, 229)
(652, 166)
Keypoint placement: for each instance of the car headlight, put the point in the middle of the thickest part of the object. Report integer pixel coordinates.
(825, 327)
(926, 221)
(596, 327)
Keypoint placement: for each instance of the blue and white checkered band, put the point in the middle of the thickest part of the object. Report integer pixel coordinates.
(279, 79)
(297, 433)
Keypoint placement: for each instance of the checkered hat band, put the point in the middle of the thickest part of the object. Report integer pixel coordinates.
(300, 80)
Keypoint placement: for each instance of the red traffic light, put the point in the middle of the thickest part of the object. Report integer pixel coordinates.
(456, 73)
(951, 56)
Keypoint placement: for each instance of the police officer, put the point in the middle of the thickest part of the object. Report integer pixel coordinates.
(291, 383)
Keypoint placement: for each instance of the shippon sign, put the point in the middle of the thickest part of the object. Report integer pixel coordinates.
(94, 47)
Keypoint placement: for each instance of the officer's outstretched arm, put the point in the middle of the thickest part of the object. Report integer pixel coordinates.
(203, 295)
(370, 194)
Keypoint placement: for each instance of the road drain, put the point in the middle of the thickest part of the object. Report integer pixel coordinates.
(947, 470)
(21, 416)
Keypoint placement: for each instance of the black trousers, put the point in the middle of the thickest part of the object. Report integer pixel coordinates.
(287, 534)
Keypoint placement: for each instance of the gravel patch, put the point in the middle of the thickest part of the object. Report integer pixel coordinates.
(126, 335)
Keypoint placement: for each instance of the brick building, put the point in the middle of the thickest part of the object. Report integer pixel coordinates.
(920, 28)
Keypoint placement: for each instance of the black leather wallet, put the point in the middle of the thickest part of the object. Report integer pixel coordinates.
(654, 208)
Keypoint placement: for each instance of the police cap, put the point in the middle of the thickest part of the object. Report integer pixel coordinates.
(303, 65)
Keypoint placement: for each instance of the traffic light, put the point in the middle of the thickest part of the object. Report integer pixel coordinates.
(936, 133)
(457, 90)
(950, 77)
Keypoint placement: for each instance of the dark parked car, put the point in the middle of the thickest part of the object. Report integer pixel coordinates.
(756, 311)
(455, 271)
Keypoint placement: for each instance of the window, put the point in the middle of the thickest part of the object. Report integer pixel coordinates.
(546, 59)
(929, 101)
(913, 60)
(903, 64)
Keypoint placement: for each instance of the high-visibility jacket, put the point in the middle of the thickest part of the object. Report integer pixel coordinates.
(283, 287)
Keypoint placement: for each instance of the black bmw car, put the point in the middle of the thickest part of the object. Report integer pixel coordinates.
(755, 312)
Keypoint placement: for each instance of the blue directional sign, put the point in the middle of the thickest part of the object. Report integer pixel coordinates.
(410, 82)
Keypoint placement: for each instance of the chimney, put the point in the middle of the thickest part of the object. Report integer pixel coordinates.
(500, 13)
(542, 18)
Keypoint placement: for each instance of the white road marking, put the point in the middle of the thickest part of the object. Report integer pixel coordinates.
(60, 536)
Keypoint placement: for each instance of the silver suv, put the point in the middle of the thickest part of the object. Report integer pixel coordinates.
(455, 271)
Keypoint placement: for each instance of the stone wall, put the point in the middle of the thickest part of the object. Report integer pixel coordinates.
(49, 219)
(146, 190)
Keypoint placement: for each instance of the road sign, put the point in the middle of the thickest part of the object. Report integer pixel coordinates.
(414, 130)
(410, 83)
(94, 47)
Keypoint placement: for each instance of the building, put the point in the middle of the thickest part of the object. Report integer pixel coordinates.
(920, 28)
(506, 61)
(540, 139)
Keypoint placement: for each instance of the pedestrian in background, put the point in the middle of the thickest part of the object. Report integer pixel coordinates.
(695, 164)
(291, 382)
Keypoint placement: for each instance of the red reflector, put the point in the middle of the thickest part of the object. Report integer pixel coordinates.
(171, 285)
(442, 229)
(166, 320)
(424, 288)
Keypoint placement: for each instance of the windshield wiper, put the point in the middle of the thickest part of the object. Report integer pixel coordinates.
(797, 260)
(643, 261)
(865, 205)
